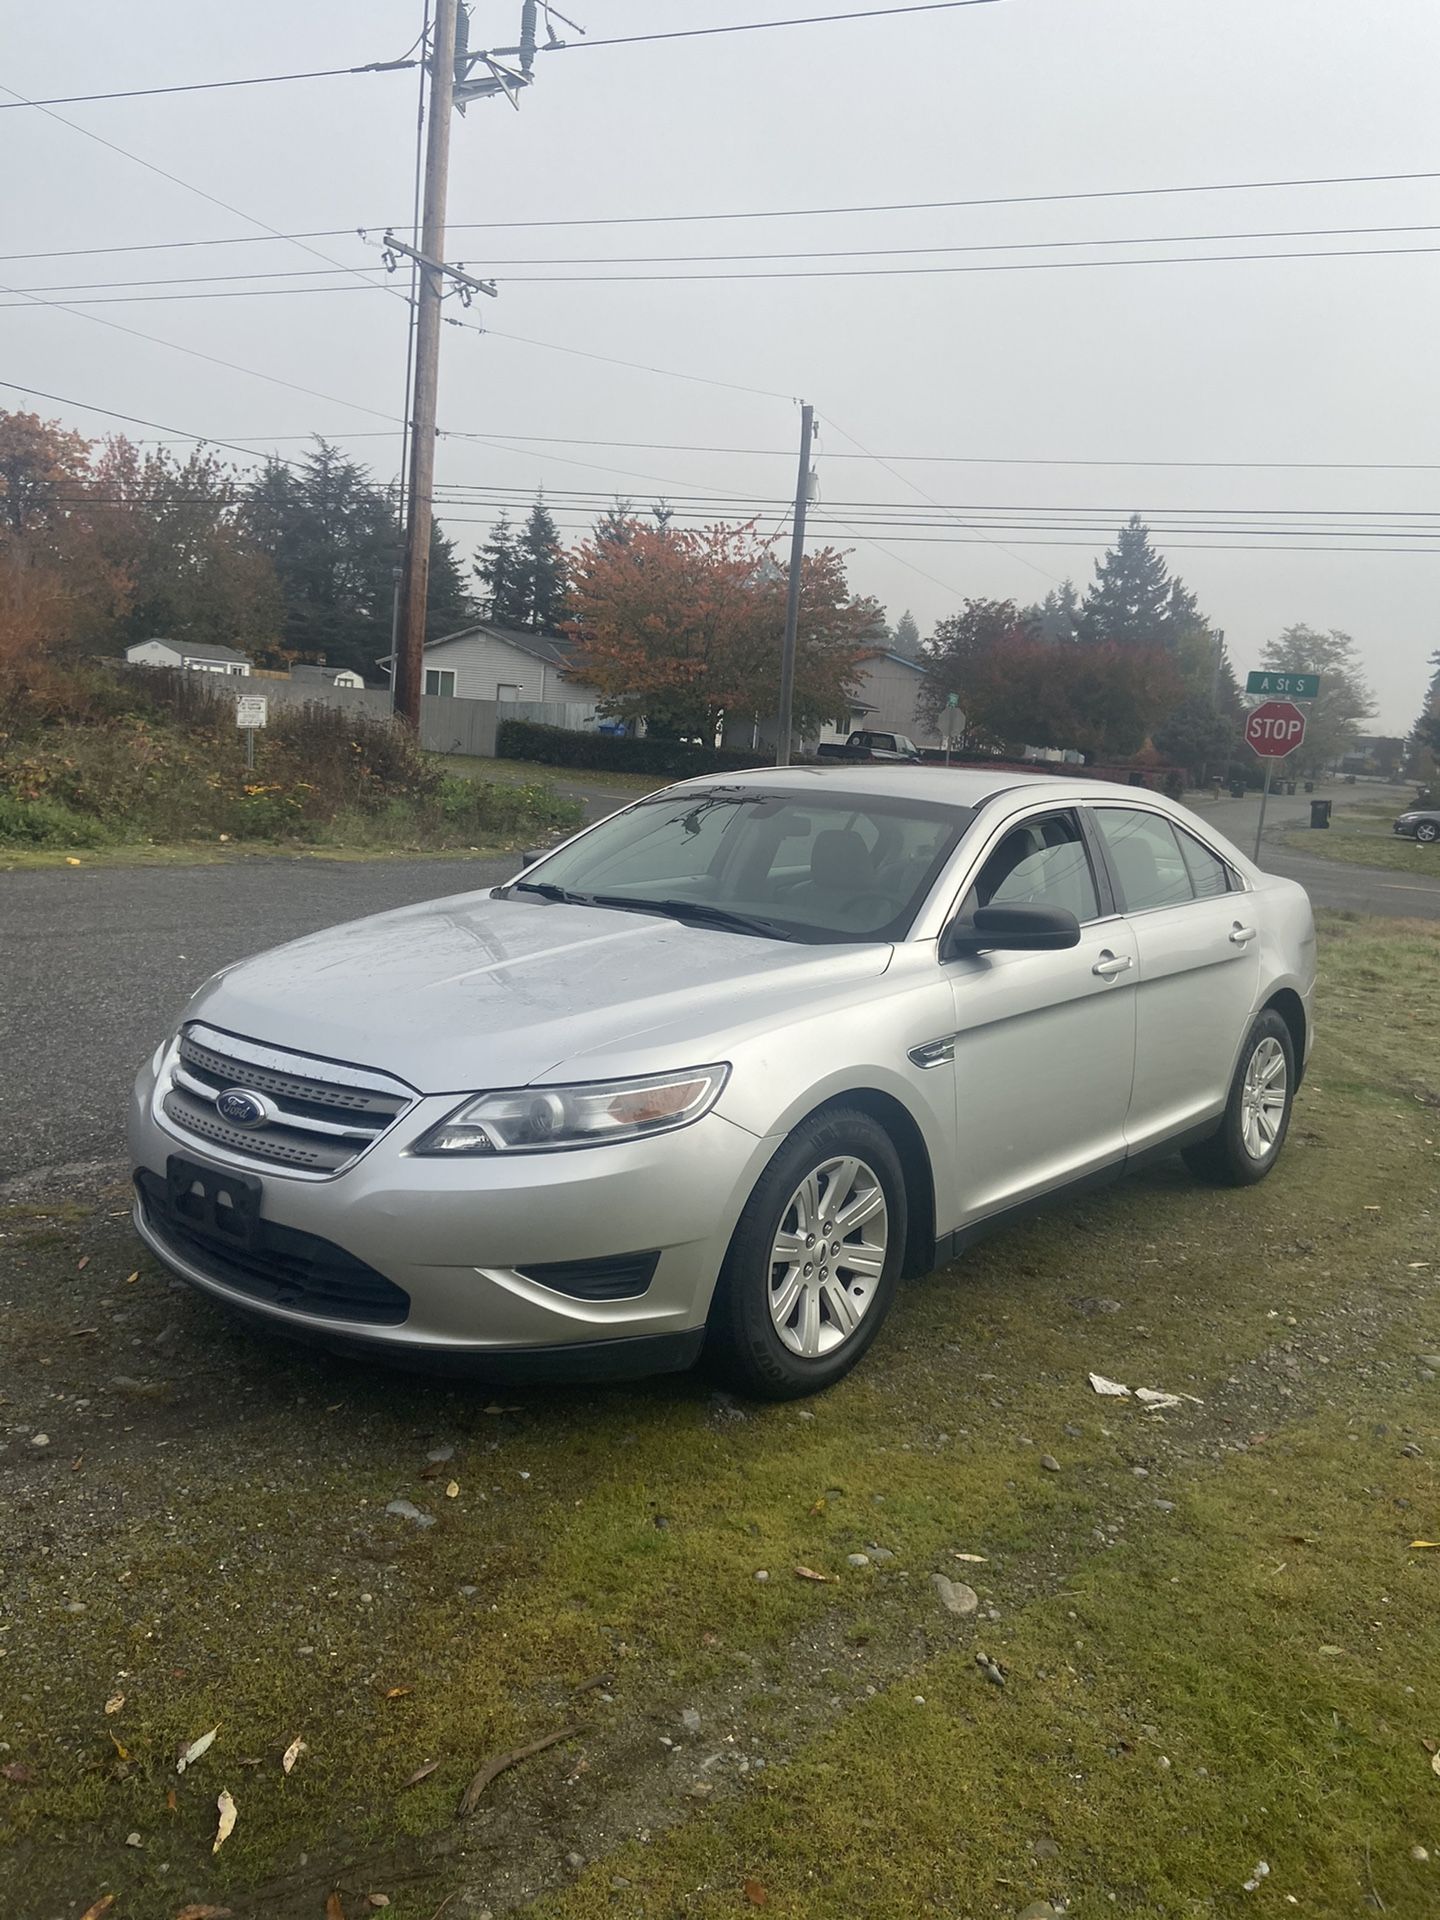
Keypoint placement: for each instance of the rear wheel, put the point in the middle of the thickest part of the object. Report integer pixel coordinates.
(1248, 1140)
(814, 1262)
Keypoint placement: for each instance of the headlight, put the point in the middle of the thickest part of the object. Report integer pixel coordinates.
(544, 1119)
(1407, 819)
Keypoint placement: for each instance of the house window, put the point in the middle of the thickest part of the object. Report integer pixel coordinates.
(440, 680)
(507, 690)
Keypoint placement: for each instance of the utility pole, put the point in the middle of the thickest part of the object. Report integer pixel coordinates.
(1214, 693)
(792, 603)
(408, 664)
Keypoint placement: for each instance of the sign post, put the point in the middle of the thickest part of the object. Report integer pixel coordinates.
(251, 711)
(1273, 730)
(951, 720)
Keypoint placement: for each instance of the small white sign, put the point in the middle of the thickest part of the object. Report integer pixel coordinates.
(251, 710)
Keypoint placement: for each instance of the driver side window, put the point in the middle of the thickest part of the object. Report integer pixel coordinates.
(1041, 863)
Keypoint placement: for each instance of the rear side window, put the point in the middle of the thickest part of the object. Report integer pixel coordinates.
(1209, 876)
(1149, 867)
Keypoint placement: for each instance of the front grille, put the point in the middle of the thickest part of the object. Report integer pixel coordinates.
(322, 1116)
(282, 1267)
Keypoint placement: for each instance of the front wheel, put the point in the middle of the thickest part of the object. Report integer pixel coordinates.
(814, 1262)
(1248, 1140)
(1427, 831)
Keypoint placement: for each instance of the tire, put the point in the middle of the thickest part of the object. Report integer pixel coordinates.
(1247, 1143)
(1427, 831)
(776, 1332)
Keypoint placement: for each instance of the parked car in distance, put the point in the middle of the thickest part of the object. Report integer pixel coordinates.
(871, 746)
(1421, 823)
(717, 1072)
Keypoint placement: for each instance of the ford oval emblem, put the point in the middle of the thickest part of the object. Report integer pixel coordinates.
(242, 1108)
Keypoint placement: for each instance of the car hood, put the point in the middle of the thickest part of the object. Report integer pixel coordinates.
(475, 992)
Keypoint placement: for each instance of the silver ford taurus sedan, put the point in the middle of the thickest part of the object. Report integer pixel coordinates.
(720, 1070)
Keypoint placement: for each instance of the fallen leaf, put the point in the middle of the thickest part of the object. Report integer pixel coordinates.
(1435, 1763)
(825, 1579)
(292, 1754)
(1425, 1543)
(1331, 1653)
(114, 1703)
(172, 1804)
(123, 1752)
(493, 1408)
(84, 1262)
(820, 1506)
(189, 1755)
(227, 1810)
(78, 1333)
(1372, 1209)
(452, 1490)
(1430, 1746)
(106, 1900)
(204, 1913)
(131, 1278)
(756, 1894)
(377, 1899)
(17, 1774)
(421, 1773)
(398, 1693)
(333, 1909)
(975, 1559)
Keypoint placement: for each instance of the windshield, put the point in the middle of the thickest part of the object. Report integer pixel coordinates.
(824, 867)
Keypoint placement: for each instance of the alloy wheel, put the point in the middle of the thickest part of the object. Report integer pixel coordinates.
(828, 1256)
(1262, 1099)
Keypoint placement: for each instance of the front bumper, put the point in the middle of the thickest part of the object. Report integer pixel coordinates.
(454, 1234)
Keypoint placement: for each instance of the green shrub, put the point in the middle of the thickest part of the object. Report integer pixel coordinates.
(47, 823)
(559, 747)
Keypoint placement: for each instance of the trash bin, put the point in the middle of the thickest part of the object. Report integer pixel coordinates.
(1319, 813)
(1309, 786)
(1289, 786)
(1237, 789)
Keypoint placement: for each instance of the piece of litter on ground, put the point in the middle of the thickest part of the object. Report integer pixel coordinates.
(1414, 1543)
(134, 1840)
(1156, 1401)
(1261, 1869)
(227, 1813)
(822, 1579)
(189, 1755)
(1112, 1388)
(407, 1510)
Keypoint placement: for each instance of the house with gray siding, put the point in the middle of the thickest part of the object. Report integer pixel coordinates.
(486, 662)
(886, 702)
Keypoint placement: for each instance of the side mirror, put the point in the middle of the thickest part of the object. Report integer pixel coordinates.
(532, 854)
(1012, 930)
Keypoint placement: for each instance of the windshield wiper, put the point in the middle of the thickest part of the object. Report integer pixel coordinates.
(697, 910)
(549, 891)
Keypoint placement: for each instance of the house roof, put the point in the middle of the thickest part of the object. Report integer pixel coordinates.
(900, 659)
(307, 670)
(553, 649)
(196, 650)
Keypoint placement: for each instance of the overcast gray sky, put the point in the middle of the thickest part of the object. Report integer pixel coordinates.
(1301, 360)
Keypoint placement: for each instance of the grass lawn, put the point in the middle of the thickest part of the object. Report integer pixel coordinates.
(1362, 836)
(203, 853)
(1218, 1644)
(530, 773)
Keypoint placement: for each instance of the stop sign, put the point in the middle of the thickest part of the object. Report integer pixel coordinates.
(1275, 729)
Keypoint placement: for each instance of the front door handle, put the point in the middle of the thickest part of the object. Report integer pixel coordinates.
(1109, 964)
(1241, 936)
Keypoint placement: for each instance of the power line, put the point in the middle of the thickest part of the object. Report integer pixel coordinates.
(753, 213)
(210, 86)
(998, 266)
(841, 253)
(767, 26)
(609, 360)
(134, 419)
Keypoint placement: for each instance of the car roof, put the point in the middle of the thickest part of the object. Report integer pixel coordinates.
(959, 786)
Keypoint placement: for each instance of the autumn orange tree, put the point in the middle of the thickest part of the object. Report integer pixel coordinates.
(682, 628)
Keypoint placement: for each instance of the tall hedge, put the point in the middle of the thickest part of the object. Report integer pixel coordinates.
(559, 747)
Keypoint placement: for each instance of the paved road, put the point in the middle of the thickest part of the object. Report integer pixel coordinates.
(96, 963)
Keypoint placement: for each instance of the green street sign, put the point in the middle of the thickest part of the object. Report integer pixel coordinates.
(952, 699)
(1289, 686)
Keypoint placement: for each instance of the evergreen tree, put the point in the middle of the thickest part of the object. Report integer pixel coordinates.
(616, 526)
(1424, 744)
(1130, 598)
(906, 636)
(449, 603)
(542, 570)
(499, 566)
(1056, 618)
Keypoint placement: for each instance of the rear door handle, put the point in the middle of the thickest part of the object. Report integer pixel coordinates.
(1109, 964)
(1241, 936)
